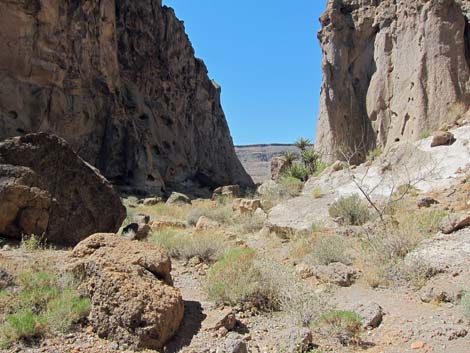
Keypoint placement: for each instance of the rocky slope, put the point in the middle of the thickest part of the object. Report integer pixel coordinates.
(256, 159)
(118, 80)
(393, 70)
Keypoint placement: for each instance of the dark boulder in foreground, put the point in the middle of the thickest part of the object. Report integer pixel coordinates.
(47, 189)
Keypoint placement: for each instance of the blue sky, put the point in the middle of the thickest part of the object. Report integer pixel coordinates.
(267, 59)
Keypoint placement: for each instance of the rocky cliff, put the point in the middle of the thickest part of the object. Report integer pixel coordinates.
(393, 70)
(118, 80)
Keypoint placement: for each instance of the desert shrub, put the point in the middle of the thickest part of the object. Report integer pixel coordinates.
(351, 210)
(425, 133)
(242, 278)
(298, 171)
(385, 246)
(222, 214)
(234, 279)
(33, 243)
(179, 244)
(321, 166)
(317, 193)
(45, 304)
(293, 186)
(249, 223)
(465, 304)
(346, 326)
(328, 249)
(372, 155)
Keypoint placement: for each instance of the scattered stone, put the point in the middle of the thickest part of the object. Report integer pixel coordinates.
(6, 280)
(205, 223)
(246, 205)
(372, 313)
(295, 340)
(46, 188)
(304, 271)
(337, 273)
(233, 345)
(177, 198)
(418, 345)
(260, 214)
(231, 191)
(152, 201)
(220, 318)
(442, 138)
(279, 166)
(454, 222)
(443, 290)
(131, 290)
(157, 225)
(426, 202)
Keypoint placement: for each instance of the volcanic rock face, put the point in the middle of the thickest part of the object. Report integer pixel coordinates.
(119, 81)
(392, 69)
(46, 189)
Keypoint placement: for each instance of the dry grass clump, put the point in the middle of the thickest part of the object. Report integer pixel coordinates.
(291, 185)
(33, 242)
(207, 246)
(350, 210)
(221, 213)
(328, 249)
(465, 305)
(241, 278)
(346, 326)
(385, 245)
(45, 305)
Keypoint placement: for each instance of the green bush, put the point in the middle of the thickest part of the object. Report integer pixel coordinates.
(293, 186)
(234, 279)
(298, 171)
(346, 326)
(330, 248)
(372, 155)
(45, 304)
(351, 210)
(465, 304)
(207, 246)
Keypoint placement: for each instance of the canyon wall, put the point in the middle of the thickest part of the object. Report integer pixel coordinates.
(118, 79)
(393, 70)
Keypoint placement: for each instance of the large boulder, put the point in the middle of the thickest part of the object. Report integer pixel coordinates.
(131, 290)
(47, 189)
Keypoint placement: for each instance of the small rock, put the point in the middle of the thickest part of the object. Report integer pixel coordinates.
(6, 280)
(233, 346)
(418, 345)
(157, 225)
(442, 138)
(152, 201)
(177, 198)
(372, 313)
(337, 273)
(205, 223)
(231, 191)
(246, 205)
(295, 340)
(279, 166)
(304, 271)
(426, 202)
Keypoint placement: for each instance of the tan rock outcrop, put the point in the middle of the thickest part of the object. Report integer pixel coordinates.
(131, 290)
(46, 189)
(391, 71)
(119, 81)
